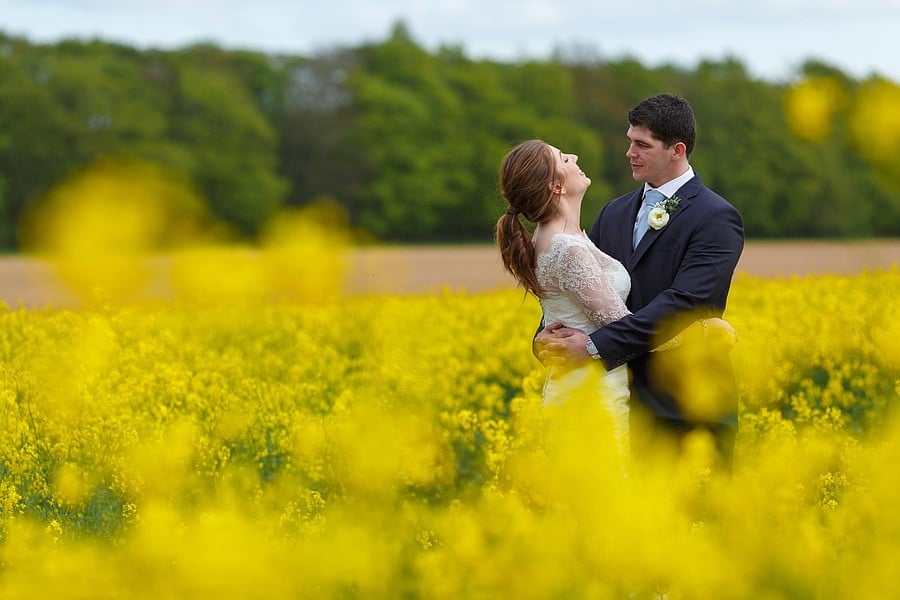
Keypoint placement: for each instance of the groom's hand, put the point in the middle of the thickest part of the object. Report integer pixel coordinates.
(561, 346)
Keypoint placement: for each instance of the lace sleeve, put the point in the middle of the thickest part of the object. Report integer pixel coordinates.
(582, 278)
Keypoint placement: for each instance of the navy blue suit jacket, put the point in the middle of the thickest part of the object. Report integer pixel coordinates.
(685, 267)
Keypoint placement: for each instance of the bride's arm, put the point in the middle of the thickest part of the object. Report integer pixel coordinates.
(582, 277)
(702, 330)
(575, 272)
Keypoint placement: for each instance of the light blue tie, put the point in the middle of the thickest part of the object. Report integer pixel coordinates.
(640, 225)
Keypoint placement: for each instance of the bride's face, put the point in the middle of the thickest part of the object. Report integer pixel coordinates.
(573, 179)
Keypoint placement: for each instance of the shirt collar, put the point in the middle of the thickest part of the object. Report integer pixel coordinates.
(669, 188)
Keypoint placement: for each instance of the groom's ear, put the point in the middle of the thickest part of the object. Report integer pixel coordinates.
(679, 149)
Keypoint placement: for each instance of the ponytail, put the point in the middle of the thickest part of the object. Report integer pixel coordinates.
(517, 251)
(525, 177)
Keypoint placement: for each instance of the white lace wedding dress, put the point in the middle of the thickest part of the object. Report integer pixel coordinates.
(585, 289)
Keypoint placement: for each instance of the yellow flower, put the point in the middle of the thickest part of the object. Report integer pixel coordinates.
(208, 449)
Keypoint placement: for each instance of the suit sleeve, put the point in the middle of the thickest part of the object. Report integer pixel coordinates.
(701, 283)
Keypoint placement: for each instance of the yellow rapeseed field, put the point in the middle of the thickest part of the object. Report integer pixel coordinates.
(264, 436)
(383, 447)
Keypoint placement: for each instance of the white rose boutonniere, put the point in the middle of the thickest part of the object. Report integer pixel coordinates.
(659, 214)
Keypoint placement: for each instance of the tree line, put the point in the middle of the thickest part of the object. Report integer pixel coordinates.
(407, 141)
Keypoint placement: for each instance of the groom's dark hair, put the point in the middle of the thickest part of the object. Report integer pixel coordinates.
(668, 117)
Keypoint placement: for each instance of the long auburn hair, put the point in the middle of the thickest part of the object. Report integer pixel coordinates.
(527, 174)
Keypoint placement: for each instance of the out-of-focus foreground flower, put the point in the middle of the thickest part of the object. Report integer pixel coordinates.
(389, 446)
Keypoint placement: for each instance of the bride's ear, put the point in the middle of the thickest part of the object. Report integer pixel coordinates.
(556, 187)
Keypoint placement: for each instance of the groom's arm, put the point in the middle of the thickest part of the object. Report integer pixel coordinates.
(701, 283)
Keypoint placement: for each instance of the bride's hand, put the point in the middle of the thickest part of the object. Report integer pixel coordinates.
(545, 346)
(561, 346)
(719, 329)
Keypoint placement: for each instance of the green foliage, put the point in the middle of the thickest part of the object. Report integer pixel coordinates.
(233, 159)
(408, 141)
(68, 106)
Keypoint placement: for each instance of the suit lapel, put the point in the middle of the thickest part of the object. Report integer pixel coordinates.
(630, 211)
(685, 194)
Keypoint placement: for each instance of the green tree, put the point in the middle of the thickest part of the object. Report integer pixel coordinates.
(739, 142)
(412, 126)
(409, 141)
(37, 139)
(320, 150)
(232, 146)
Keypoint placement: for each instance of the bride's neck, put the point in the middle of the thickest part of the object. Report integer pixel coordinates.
(567, 218)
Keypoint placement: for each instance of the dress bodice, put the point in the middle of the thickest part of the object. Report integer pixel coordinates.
(582, 286)
(586, 289)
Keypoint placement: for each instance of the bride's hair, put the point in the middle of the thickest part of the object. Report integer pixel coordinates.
(526, 176)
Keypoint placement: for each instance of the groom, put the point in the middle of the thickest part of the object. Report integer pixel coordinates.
(681, 258)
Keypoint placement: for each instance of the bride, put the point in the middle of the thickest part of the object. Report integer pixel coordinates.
(576, 283)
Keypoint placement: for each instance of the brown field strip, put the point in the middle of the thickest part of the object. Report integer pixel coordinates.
(32, 283)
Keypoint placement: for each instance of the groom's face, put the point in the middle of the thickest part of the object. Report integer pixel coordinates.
(651, 160)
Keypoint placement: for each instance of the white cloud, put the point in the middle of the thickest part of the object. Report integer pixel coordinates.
(771, 36)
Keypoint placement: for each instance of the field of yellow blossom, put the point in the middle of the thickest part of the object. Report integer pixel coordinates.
(238, 446)
(260, 434)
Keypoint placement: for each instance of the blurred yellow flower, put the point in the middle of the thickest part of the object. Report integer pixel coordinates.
(811, 106)
(875, 122)
(99, 226)
(378, 447)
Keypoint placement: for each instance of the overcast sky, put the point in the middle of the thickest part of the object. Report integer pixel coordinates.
(771, 37)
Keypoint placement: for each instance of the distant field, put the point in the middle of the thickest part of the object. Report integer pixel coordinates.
(421, 269)
(479, 268)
